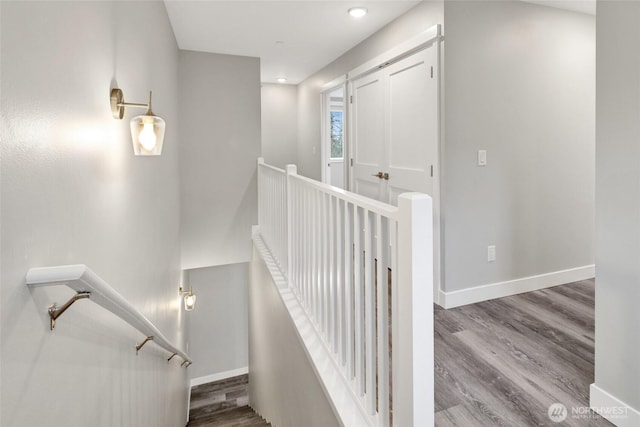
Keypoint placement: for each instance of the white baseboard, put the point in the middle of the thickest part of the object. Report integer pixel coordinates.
(613, 409)
(219, 376)
(513, 287)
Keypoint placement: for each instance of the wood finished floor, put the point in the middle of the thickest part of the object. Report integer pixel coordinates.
(236, 417)
(503, 362)
(209, 402)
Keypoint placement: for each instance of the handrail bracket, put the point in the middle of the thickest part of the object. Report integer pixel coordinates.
(55, 311)
(146, 340)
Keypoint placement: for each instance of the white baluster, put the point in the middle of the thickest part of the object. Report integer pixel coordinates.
(382, 328)
(338, 284)
(358, 304)
(348, 289)
(369, 320)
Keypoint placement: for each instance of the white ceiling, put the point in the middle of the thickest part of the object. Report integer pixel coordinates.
(292, 38)
(583, 6)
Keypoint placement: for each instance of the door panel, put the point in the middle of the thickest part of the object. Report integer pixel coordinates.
(413, 119)
(395, 127)
(367, 133)
(368, 189)
(336, 167)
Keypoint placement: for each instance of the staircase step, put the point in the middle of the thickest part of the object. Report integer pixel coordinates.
(211, 398)
(237, 417)
(223, 403)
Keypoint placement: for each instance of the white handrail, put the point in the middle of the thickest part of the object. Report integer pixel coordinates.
(82, 280)
(362, 201)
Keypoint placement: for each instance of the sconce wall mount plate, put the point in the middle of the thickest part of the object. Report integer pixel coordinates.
(117, 99)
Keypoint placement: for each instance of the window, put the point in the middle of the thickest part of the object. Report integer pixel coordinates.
(337, 141)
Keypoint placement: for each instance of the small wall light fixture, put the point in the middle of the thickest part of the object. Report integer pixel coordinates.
(147, 131)
(189, 298)
(189, 301)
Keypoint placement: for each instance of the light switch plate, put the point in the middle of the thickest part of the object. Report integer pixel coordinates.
(491, 253)
(482, 157)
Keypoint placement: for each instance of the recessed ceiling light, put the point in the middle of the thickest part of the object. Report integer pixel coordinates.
(358, 12)
(281, 79)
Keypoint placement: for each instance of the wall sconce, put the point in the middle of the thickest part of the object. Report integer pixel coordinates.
(189, 299)
(147, 131)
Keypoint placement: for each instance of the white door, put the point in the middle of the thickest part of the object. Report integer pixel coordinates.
(412, 132)
(333, 137)
(367, 135)
(395, 128)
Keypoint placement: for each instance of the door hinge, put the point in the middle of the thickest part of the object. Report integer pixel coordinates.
(432, 71)
(431, 170)
(351, 99)
(351, 162)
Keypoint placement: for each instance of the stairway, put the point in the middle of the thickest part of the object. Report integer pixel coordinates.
(243, 416)
(223, 403)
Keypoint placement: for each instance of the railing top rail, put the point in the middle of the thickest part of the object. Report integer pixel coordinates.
(273, 168)
(82, 280)
(372, 205)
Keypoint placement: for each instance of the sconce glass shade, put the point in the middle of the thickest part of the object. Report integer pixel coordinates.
(147, 134)
(147, 131)
(189, 301)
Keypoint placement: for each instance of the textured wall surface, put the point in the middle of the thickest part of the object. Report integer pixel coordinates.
(220, 144)
(73, 192)
(519, 83)
(279, 124)
(617, 202)
(218, 327)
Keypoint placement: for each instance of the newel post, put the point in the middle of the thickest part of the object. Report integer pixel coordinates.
(413, 350)
(291, 171)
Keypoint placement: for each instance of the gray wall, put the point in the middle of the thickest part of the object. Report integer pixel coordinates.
(418, 19)
(279, 124)
(73, 192)
(218, 337)
(220, 141)
(283, 386)
(520, 83)
(617, 202)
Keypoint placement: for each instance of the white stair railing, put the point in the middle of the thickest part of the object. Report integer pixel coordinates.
(362, 272)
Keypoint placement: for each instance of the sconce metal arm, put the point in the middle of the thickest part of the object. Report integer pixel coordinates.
(118, 104)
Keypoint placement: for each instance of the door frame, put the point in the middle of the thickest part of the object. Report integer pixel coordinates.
(431, 36)
(325, 154)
